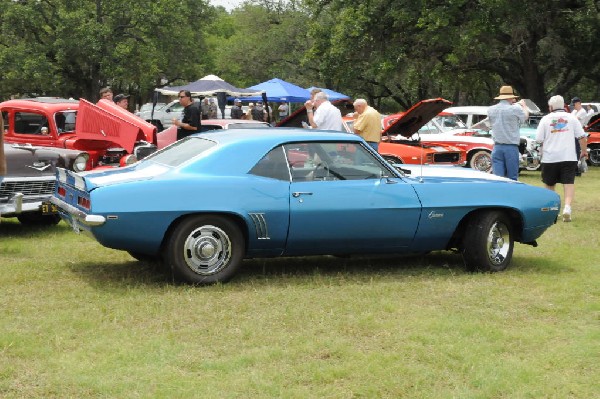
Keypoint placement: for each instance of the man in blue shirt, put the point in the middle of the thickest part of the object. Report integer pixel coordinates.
(506, 118)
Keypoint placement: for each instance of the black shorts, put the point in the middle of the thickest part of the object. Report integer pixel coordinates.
(559, 172)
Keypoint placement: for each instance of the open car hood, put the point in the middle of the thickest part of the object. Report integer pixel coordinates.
(408, 123)
(594, 123)
(108, 122)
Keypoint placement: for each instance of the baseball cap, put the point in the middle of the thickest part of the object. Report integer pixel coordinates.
(120, 97)
(237, 100)
(575, 100)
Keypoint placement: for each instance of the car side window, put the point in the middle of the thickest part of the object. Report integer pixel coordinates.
(273, 165)
(30, 123)
(329, 161)
(65, 121)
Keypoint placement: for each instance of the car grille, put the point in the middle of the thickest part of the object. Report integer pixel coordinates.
(27, 188)
(446, 157)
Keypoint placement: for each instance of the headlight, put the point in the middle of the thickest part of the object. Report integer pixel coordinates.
(80, 163)
(128, 160)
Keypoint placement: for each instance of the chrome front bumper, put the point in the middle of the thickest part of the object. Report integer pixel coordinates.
(16, 205)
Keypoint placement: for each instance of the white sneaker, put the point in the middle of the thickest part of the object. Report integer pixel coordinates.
(567, 214)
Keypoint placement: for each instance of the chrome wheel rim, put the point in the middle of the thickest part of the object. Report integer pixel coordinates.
(498, 243)
(483, 163)
(207, 250)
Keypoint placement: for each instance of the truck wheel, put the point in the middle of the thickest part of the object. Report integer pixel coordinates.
(37, 219)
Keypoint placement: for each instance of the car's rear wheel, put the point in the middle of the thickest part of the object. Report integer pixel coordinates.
(482, 161)
(37, 219)
(488, 242)
(205, 249)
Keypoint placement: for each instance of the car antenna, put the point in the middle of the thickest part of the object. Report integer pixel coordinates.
(154, 102)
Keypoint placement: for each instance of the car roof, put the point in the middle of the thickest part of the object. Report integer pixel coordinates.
(469, 109)
(49, 104)
(275, 136)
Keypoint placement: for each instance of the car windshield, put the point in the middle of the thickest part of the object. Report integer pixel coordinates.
(449, 122)
(181, 151)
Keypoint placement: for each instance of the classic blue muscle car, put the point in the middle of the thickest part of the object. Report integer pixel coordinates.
(206, 202)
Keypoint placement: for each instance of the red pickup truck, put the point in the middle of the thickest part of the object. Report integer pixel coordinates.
(111, 135)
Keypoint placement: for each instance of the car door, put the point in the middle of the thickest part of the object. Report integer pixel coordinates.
(344, 200)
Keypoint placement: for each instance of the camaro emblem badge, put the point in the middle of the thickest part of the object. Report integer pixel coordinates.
(435, 215)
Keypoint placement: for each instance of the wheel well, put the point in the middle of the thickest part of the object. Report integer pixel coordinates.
(237, 219)
(513, 215)
(474, 151)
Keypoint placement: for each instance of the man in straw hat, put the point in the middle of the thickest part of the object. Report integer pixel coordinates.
(506, 118)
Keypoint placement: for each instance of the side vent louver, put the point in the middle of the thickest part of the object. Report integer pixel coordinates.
(260, 224)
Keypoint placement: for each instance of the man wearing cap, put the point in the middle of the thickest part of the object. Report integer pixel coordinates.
(578, 111)
(506, 118)
(557, 132)
(190, 121)
(122, 101)
(236, 110)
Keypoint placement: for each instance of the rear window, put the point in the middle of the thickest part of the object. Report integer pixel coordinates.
(181, 151)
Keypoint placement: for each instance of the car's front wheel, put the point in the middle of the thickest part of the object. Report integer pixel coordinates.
(482, 161)
(488, 242)
(205, 249)
(594, 156)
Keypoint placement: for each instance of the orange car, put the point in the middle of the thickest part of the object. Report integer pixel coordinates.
(414, 152)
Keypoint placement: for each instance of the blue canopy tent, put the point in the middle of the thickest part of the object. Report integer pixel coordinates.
(333, 95)
(279, 91)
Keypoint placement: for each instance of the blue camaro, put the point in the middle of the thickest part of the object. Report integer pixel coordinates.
(206, 202)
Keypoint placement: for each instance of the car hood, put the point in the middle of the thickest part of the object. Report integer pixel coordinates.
(108, 122)
(25, 160)
(409, 122)
(594, 123)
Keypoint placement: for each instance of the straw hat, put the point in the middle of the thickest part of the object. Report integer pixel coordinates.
(506, 92)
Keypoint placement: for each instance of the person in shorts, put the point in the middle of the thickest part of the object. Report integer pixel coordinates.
(557, 132)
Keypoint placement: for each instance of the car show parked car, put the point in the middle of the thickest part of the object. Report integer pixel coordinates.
(110, 135)
(26, 190)
(435, 127)
(207, 202)
(593, 131)
(413, 151)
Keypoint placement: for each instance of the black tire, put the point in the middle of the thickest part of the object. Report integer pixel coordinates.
(205, 249)
(488, 242)
(37, 219)
(594, 156)
(482, 161)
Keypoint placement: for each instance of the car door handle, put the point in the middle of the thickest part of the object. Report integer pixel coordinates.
(296, 194)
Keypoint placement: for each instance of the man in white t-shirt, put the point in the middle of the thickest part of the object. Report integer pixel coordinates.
(325, 115)
(578, 111)
(557, 132)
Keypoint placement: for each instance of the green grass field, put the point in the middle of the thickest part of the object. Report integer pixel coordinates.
(79, 320)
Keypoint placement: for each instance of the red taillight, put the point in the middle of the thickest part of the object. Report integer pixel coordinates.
(84, 202)
(62, 192)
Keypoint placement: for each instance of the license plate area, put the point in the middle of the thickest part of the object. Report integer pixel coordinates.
(49, 208)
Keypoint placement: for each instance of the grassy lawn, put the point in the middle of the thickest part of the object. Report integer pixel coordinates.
(78, 320)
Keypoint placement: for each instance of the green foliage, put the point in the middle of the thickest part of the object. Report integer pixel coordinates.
(67, 47)
(392, 52)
